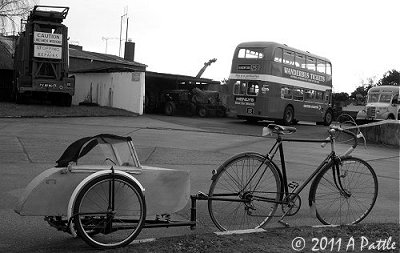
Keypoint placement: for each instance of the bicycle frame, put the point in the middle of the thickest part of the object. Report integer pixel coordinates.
(279, 146)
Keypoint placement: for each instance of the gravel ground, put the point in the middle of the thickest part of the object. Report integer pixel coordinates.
(359, 238)
(37, 110)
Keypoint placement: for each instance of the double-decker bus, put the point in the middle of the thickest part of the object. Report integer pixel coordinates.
(276, 82)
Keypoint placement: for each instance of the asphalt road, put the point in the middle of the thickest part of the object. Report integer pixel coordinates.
(29, 146)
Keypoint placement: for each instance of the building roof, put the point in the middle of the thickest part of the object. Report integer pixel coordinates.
(113, 62)
(180, 78)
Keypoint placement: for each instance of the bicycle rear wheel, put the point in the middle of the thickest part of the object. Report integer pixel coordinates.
(360, 185)
(104, 224)
(244, 193)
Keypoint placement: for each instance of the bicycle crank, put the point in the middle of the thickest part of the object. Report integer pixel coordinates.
(292, 206)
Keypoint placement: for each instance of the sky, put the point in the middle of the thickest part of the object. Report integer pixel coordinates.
(360, 37)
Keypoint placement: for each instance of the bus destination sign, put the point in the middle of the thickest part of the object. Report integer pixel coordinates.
(249, 67)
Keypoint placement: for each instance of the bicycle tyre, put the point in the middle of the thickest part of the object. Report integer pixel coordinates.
(334, 208)
(128, 215)
(235, 173)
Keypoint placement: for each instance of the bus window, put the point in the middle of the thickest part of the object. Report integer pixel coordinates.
(252, 88)
(373, 97)
(385, 98)
(328, 69)
(298, 94)
(309, 95)
(286, 93)
(239, 88)
(310, 63)
(300, 61)
(320, 95)
(288, 57)
(395, 100)
(278, 55)
(321, 66)
(250, 54)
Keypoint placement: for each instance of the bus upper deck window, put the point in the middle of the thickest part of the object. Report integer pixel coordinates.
(310, 63)
(328, 69)
(250, 54)
(278, 55)
(321, 66)
(288, 57)
(300, 61)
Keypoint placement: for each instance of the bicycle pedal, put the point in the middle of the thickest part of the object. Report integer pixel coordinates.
(293, 185)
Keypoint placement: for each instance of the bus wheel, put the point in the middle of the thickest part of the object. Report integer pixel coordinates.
(328, 118)
(288, 116)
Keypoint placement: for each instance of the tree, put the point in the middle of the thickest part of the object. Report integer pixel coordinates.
(11, 11)
(391, 77)
(359, 95)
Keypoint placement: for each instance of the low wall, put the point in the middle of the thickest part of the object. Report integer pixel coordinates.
(382, 132)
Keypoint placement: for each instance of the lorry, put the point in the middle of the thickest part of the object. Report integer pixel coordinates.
(41, 58)
(194, 101)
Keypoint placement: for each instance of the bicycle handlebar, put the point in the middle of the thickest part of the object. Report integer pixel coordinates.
(336, 128)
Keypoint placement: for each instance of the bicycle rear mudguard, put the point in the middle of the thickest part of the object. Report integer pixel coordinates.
(48, 194)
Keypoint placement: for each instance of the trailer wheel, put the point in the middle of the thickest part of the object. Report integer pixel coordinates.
(169, 108)
(202, 112)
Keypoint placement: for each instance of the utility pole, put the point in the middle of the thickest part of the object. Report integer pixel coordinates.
(120, 31)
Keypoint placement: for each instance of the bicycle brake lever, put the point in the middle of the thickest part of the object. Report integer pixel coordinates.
(361, 135)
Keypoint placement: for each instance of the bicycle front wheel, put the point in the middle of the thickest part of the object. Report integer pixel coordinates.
(244, 193)
(109, 212)
(351, 202)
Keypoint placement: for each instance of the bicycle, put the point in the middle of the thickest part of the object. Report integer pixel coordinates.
(247, 189)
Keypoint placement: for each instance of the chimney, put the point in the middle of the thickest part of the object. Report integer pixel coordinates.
(129, 50)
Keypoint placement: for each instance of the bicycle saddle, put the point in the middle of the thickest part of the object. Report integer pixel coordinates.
(278, 129)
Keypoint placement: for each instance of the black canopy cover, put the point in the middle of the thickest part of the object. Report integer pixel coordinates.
(82, 146)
